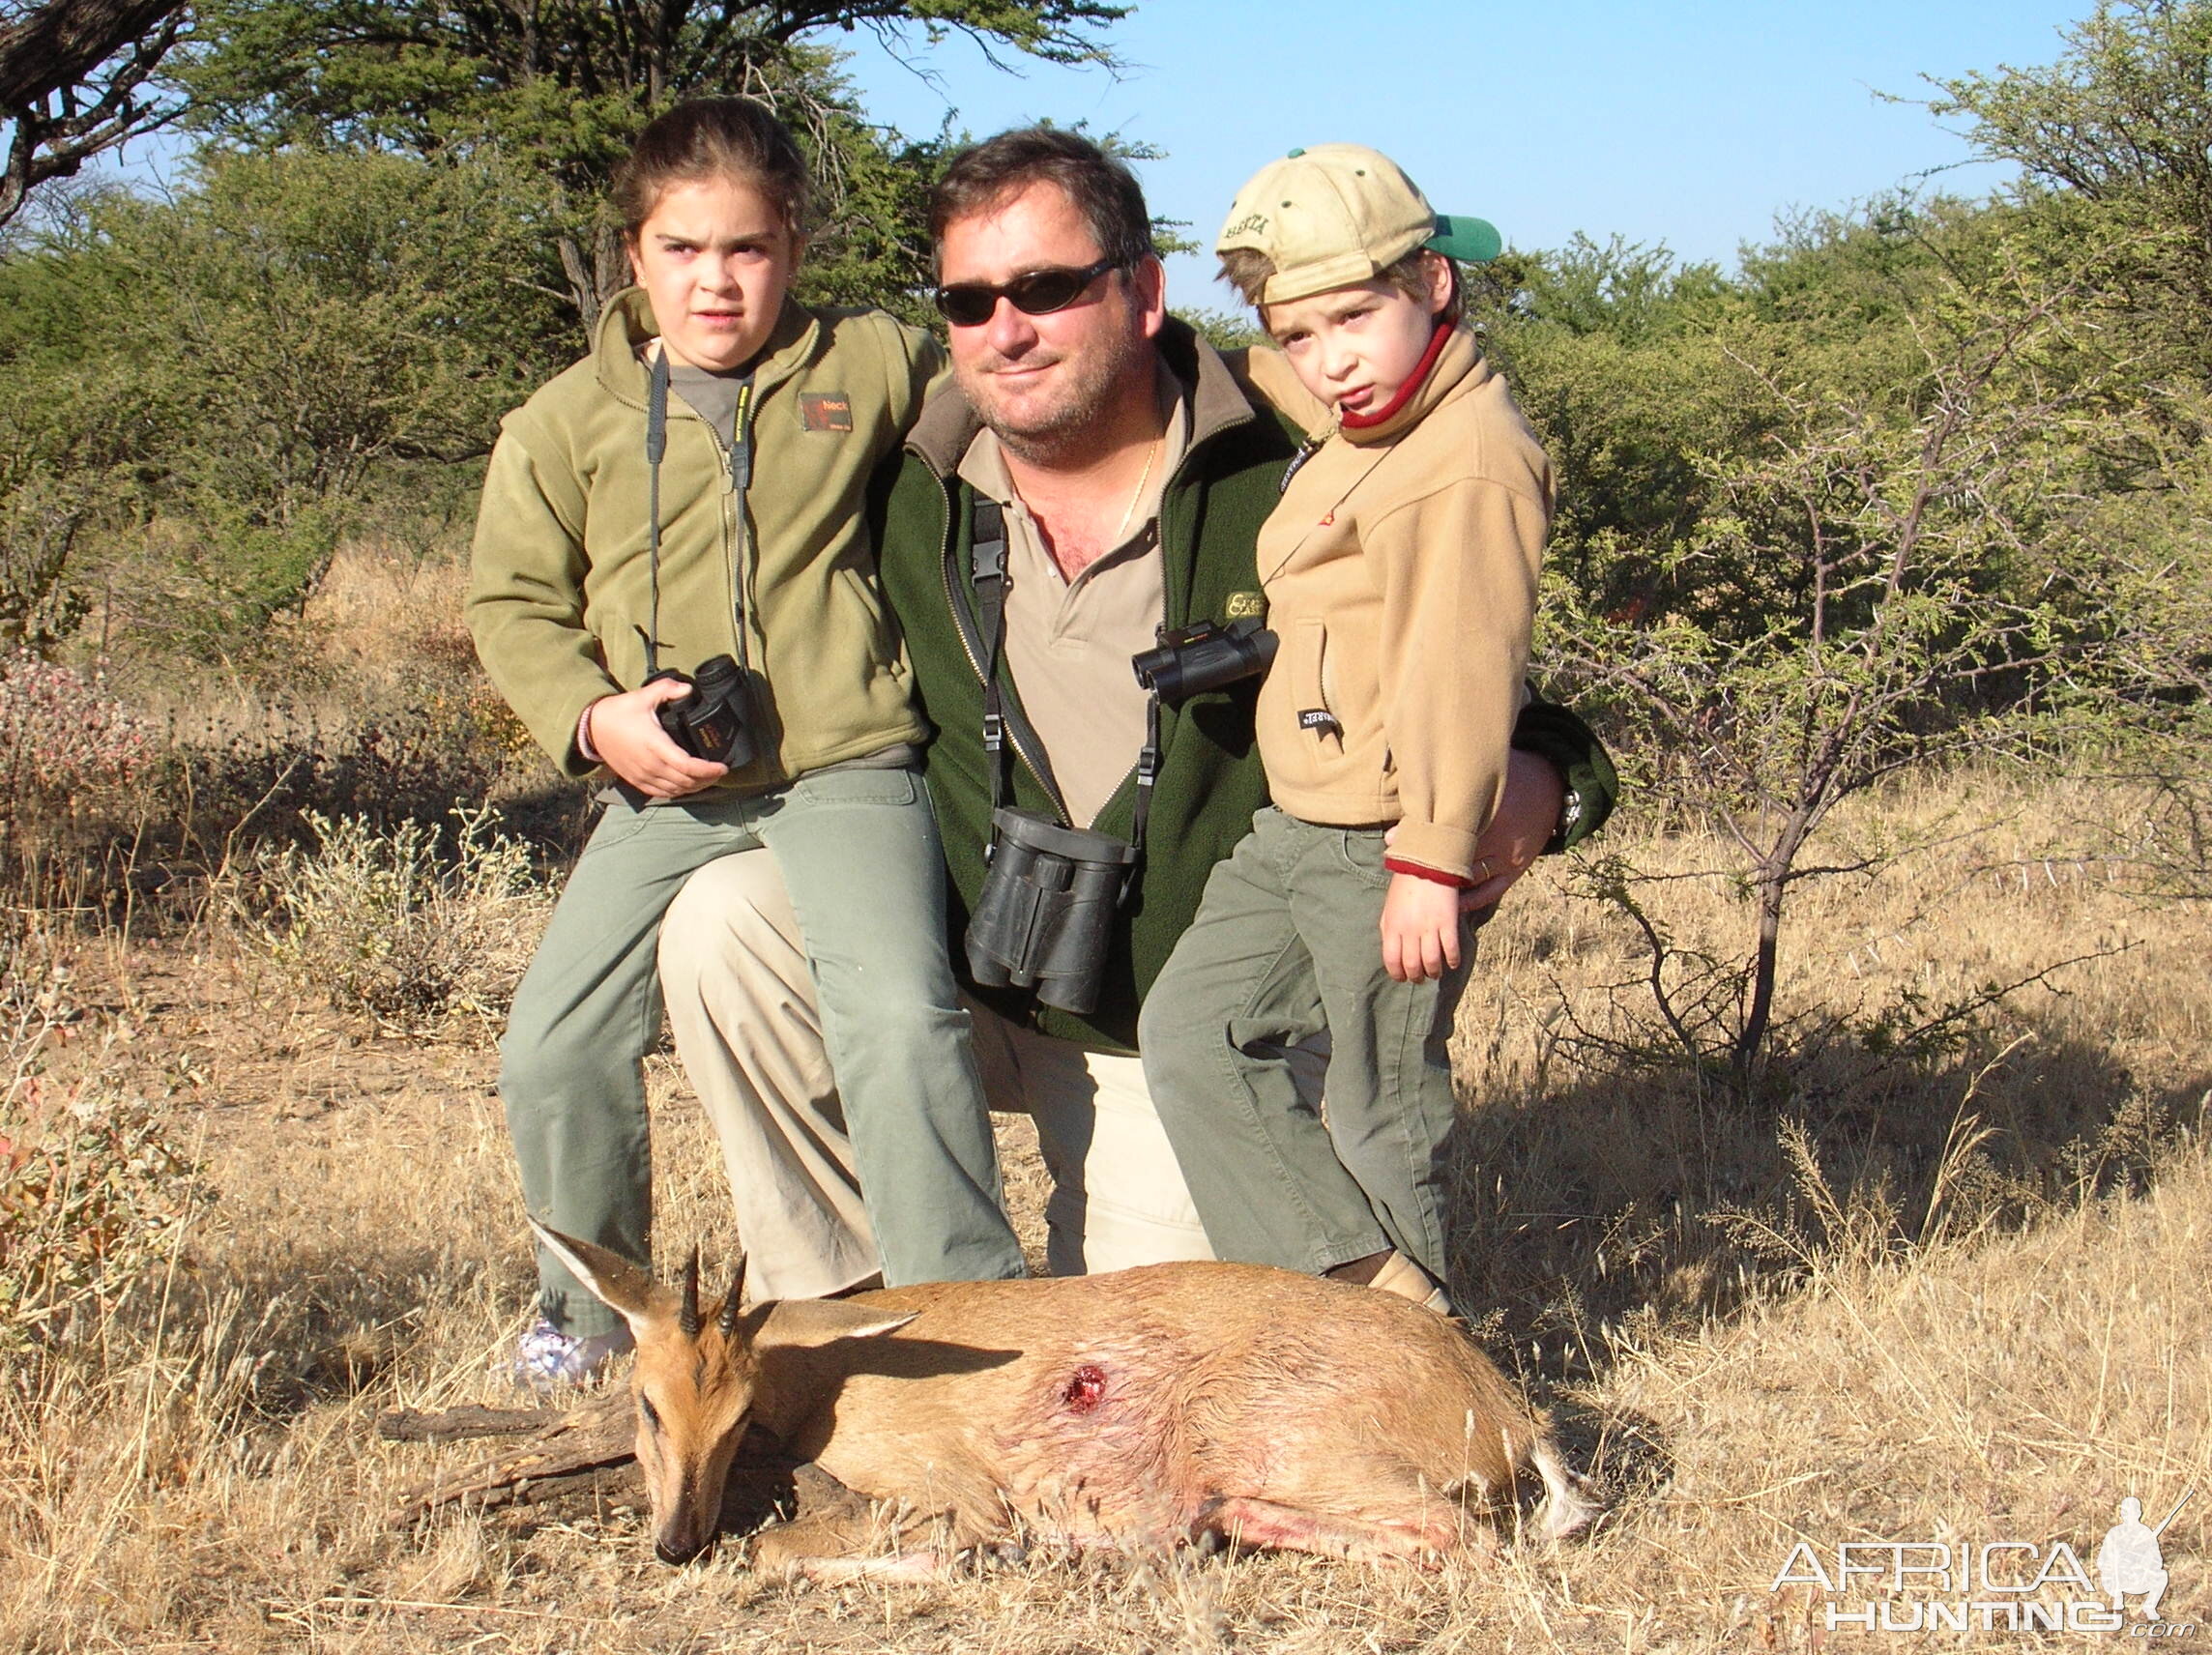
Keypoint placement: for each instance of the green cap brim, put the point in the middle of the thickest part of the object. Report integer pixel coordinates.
(1470, 240)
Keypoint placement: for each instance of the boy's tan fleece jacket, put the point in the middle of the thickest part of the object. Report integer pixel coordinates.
(560, 590)
(1400, 569)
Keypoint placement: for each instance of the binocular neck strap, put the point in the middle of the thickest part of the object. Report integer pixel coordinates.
(988, 537)
(988, 531)
(741, 479)
(656, 446)
(1148, 772)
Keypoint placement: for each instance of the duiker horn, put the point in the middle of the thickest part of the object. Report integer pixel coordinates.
(728, 1320)
(687, 1316)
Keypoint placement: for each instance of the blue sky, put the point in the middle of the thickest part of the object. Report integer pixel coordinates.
(1691, 124)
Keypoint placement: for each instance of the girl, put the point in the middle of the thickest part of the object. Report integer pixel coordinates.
(694, 490)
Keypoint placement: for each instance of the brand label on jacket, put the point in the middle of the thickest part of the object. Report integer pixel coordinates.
(826, 411)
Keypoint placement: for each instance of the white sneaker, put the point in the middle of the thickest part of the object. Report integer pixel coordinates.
(546, 1359)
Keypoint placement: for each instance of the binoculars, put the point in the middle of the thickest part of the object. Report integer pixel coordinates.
(1045, 914)
(1205, 656)
(709, 723)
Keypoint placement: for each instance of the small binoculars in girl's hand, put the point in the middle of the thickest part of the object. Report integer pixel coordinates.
(709, 723)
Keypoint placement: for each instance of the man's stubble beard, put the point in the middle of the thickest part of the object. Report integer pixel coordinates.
(1067, 428)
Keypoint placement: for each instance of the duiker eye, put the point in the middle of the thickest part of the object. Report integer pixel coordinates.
(652, 1413)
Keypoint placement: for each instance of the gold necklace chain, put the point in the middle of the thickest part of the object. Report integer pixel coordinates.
(1144, 477)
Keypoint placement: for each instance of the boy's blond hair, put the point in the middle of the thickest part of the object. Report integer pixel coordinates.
(1247, 270)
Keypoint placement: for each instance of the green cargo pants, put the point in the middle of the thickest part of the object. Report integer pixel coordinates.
(1288, 944)
(860, 851)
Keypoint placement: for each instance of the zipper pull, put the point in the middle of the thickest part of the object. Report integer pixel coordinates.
(1311, 447)
(742, 440)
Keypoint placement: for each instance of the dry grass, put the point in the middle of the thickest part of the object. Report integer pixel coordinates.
(1955, 1297)
(1596, 1191)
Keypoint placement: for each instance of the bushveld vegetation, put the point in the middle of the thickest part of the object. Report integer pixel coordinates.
(1833, 1151)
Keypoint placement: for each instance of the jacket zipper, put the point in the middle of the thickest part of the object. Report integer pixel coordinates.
(734, 503)
(733, 535)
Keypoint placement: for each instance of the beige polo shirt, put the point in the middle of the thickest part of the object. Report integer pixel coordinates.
(1068, 642)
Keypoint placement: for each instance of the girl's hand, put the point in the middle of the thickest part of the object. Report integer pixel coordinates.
(632, 743)
(1420, 929)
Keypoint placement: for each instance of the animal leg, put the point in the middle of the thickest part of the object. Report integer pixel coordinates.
(1571, 1502)
(1243, 1521)
(854, 1544)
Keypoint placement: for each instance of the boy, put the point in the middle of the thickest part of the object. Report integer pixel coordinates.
(1400, 570)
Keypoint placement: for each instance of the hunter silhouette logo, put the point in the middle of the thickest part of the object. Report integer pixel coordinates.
(2130, 1560)
(826, 411)
(1991, 1584)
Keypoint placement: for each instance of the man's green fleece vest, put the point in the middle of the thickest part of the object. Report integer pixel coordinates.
(1210, 782)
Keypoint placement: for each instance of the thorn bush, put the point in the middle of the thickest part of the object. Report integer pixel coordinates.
(418, 934)
(94, 1188)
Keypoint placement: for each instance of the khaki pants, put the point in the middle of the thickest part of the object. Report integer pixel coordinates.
(733, 967)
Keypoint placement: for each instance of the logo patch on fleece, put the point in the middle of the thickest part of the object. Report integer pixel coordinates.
(1244, 605)
(825, 410)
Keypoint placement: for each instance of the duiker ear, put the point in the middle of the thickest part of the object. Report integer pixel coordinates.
(618, 1284)
(804, 1321)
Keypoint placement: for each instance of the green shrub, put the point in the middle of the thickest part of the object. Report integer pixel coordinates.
(388, 925)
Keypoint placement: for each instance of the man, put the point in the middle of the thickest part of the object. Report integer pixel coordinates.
(1132, 468)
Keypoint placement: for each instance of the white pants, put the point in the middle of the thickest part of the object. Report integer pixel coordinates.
(741, 1001)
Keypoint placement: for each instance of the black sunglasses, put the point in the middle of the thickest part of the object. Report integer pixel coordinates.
(970, 303)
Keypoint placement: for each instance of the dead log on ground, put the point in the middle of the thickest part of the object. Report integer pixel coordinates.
(587, 1456)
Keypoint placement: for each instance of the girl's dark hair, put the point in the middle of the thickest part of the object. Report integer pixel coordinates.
(1104, 190)
(712, 137)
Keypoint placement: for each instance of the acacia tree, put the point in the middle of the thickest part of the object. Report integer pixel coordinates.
(75, 78)
(1888, 583)
(209, 389)
(563, 87)
(2114, 142)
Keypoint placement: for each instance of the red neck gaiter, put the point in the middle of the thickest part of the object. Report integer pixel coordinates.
(1413, 380)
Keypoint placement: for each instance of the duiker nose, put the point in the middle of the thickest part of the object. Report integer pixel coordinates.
(676, 1556)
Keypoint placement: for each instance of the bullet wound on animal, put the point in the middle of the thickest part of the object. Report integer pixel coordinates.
(1086, 1388)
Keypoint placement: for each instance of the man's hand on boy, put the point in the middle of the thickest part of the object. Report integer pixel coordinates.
(1420, 928)
(1517, 832)
(629, 741)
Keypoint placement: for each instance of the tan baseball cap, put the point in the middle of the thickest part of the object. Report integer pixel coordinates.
(1337, 215)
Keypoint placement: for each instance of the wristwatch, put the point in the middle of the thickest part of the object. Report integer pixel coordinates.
(1570, 818)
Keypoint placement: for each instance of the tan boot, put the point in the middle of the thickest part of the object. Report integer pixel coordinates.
(1399, 1275)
